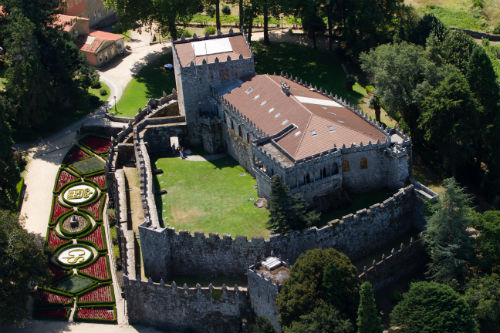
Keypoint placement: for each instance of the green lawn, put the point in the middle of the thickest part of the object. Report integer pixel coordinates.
(97, 92)
(150, 82)
(210, 197)
(318, 67)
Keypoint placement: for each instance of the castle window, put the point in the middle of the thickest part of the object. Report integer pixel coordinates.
(239, 132)
(345, 166)
(363, 164)
(211, 78)
(308, 179)
(335, 169)
(248, 138)
(225, 76)
(235, 75)
(201, 80)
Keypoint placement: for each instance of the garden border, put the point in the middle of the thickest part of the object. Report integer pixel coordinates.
(78, 308)
(72, 235)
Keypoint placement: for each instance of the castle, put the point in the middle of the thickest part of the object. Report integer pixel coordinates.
(271, 124)
(275, 124)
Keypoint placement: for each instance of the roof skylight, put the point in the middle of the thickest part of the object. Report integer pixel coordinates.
(313, 133)
(284, 122)
(277, 115)
(256, 97)
(249, 90)
(271, 110)
(330, 128)
(297, 133)
(263, 103)
(340, 121)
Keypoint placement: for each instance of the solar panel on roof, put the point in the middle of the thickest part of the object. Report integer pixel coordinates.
(212, 46)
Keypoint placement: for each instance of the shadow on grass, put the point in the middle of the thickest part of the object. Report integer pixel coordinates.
(154, 75)
(315, 66)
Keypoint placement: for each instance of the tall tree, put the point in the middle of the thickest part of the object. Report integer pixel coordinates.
(483, 296)
(323, 319)
(304, 291)
(430, 307)
(429, 24)
(368, 319)
(287, 212)
(241, 12)
(447, 239)
(22, 266)
(450, 119)
(488, 242)
(10, 172)
(376, 105)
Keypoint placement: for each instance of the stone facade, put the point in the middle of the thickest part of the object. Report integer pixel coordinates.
(263, 294)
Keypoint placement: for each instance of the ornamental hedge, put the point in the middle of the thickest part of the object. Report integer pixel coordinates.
(98, 314)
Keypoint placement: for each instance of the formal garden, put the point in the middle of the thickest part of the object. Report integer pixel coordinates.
(81, 286)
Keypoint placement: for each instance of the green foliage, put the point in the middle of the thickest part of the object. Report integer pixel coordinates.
(226, 10)
(309, 287)
(447, 239)
(103, 92)
(368, 319)
(488, 243)
(22, 265)
(497, 29)
(456, 49)
(210, 30)
(210, 11)
(429, 24)
(287, 212)
(430, 307)
(323, 319)
(483, 296)
(9, 176)
(263, 325)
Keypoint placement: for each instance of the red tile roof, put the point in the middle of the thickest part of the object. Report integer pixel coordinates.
(95, 39)
(318, 126)
(186, 53)
(105, 35)
(67, 21)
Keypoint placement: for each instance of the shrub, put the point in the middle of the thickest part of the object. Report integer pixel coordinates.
(95, 84)
(226, 10)
(211, 11)
(103, 92)
(497, 29)
(186, 33)
(210, 30)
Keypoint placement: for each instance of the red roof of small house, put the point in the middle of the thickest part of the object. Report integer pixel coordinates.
(105, 35)
(67, 21)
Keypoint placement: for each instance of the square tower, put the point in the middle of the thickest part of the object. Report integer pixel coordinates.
(201, 63)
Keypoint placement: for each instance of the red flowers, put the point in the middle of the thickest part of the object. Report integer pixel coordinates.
(54, 241)
(48, 298)
(96, 313)
(99, 269)
(76, 154)
(94, 208)
(99, 180)
(96, 237)
(99, 145)
(100, 295)
(64, 178)
(58, 210)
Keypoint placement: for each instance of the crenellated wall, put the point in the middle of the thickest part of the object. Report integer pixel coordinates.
(172, 308)
(355, 234)
(263, 294)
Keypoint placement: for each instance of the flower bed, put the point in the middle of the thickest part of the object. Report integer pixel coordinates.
(97, 144)
(57, 272)
(106, 314)
(49, 298)
(64, 178)
(58, 210)
(96, 238)
(52, 313)
(95, 208)
(75, 154)
(54, 241)
(99, 180)
(102, 294)
(98, 269)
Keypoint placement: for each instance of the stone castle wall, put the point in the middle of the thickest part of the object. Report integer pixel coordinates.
(355, 234)
(181, 309)
(239, 149)
(263, 294)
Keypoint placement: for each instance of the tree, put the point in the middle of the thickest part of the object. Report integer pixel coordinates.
(323, 319)
(402, 75)
(456, 49)
(483, 296)
(450, 119)
(288, 212)
(430, 307)
(368, 319)
(305, 290)
(488, 243)
(22, 265)
(429, 24)
(10, 172)
(447, 239)
(263, 325)
(375, 104)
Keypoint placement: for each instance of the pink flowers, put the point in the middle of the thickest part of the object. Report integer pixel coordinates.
(99, 180)
(98, 269)
(76, 154)
(64, 178)
(96, 313)
(48, 298)
(99, 145)
(100, 295)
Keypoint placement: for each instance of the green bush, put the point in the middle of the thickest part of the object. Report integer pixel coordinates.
(95, 84)
(211, 11)
(186, 33)
(226, 10)
(103, 92)
(210, 30)
(497, 29)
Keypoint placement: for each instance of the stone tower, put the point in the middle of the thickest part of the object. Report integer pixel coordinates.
(203, 63)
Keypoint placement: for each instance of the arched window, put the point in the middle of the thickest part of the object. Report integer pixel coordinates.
(335, 169)
(345, 166)
(308, 179)
(272, 172)
(239, 131)
(363, 164)
(248, 138)
(324, 173)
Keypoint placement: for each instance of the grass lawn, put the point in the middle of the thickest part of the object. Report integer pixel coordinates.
(150, 82)
(97, 92)
(318, 67)
(210, 197)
